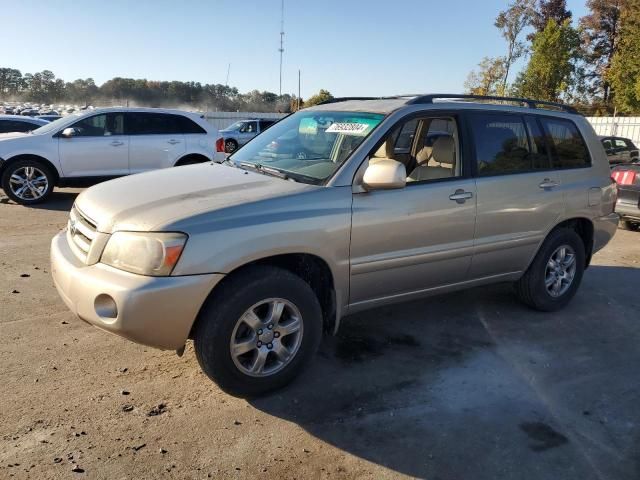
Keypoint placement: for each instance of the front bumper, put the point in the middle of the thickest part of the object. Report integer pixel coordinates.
(154, 311)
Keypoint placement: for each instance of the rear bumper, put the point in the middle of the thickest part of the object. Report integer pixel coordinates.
(154, 311)
(604, 228)
(628, 209)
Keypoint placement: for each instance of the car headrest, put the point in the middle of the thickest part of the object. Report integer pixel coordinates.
(444, 151)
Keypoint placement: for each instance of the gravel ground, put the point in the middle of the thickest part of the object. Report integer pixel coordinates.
(469, 385)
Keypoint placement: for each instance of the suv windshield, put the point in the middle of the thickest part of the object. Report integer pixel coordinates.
(308, 146)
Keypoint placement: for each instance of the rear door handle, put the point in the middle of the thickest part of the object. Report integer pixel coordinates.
(460, 196)
(173, 142)
(117, 143)
(548, 183)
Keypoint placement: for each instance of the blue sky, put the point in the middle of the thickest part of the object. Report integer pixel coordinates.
(350, 47)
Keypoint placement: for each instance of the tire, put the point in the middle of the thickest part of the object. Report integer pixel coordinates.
(532, 289)
(33, 170)
(219, 326)
(628, 225)
(230, 145)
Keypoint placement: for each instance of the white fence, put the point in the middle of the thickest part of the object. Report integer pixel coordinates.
(224, 119)
(628, 127)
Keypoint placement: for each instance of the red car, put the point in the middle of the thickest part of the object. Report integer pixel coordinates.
(628, 206)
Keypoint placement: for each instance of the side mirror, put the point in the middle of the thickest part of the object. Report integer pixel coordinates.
(69, 132)
(384, 174)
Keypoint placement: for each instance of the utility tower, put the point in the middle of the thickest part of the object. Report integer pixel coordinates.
(281, 49)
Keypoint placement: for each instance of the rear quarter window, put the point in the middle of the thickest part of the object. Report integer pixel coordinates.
(568, 147)
(189, 126)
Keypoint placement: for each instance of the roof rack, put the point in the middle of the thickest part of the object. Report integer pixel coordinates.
(525, 101)
(346, 99)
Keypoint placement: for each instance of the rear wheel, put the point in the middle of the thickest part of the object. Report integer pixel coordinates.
(555, 274)
(27, 182)
(629, 225)
(230, 145)
(258, 331)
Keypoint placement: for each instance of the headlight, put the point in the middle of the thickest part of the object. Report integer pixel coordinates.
(145, 253)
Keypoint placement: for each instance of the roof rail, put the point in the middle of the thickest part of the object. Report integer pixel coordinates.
(346, 99)
(526, 101)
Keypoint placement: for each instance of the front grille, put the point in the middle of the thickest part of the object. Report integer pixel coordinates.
(82, 231)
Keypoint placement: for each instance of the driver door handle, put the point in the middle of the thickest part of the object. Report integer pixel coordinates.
(460, 196)
(117, 143)
(173, 142)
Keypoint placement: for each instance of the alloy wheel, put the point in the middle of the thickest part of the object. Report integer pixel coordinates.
(560, 271)
(266, 337)
(28, 183)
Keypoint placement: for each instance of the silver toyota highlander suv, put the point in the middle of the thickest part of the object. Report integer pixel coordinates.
(379, 201)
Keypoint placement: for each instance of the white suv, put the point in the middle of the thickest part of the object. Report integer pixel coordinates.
(89, 147)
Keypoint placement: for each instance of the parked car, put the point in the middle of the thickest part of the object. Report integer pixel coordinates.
(253, 260)
(241, 132)
(18, 123)
(628, 205)
(619, 149)
(95, 145)
(49, 118)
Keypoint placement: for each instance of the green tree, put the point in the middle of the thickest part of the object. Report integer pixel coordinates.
(600, 32)
(550, 71)
(488, 78)
(624, 73)
(321, 96)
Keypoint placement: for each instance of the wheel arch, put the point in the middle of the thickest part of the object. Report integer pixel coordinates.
(197, 157)
(314, 270)
(583, 227)
(29, 156)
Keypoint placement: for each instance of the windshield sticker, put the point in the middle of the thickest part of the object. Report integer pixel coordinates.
(348, 128)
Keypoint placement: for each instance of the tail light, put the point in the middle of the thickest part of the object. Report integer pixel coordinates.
(220, 145)
(624, 177)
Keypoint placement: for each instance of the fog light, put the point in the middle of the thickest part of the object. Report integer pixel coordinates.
(106, 307)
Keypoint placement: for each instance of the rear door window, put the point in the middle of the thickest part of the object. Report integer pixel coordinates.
(145, 123)
(501, 144)
(568, 147)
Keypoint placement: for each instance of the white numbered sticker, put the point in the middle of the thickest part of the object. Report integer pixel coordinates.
(348, 128)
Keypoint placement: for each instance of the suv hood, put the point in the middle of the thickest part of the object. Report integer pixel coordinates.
(149, 201)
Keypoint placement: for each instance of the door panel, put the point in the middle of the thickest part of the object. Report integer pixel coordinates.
(411, 239)
(514, 214)
(98, 148)
(148, 152)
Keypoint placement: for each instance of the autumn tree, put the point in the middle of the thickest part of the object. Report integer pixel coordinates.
(624, 72)
(511, 23)
(549, 73)
(488, 78)
(546, 10)
(600, 31)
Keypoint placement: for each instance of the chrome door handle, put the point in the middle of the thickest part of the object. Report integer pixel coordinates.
(173, 142)
(460, 196)
(548, 183)
(117, 143)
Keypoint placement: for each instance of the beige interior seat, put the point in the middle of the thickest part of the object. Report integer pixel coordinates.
(440, 164)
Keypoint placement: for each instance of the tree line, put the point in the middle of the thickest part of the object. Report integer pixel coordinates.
(44, 87)
(593, 63)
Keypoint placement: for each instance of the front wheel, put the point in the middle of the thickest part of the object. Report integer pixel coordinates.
(258, 331)
(555, 274)
(27, 182)
(628, 225)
